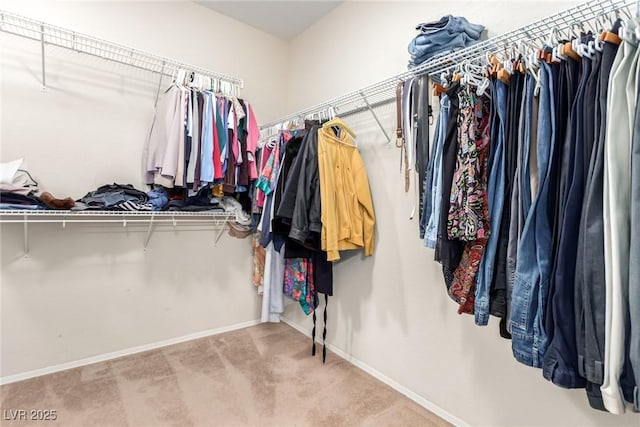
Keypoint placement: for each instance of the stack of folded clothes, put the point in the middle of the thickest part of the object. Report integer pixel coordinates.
(18, 190)
(119, 197)
(441, 37)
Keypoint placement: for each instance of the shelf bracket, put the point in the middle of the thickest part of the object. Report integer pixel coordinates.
(149, 230)
(222, 227)
(44, 78)
(375, 116)
(26, 237)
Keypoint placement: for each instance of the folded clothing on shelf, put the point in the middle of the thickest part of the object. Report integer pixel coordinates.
(10, 200)
(113, 197)
(441, 37)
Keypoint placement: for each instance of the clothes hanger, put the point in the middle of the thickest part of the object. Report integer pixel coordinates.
(339, 123)
(571, 49)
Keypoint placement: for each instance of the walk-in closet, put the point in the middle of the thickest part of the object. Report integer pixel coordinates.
(319, 213)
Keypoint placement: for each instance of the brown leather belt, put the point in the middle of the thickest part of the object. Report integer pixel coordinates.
(399, 135)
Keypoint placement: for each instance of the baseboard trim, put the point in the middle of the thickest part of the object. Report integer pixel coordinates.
(427, 404)
(126, 352)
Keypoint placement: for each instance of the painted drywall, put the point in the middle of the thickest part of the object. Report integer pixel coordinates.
(90, 290)
(391, 311)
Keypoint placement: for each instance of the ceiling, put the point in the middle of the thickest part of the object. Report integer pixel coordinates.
(283, 19)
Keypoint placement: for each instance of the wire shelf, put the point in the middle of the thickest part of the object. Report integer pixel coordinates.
(216, 219)
(383, 91)
(93, 216)
(82, 43)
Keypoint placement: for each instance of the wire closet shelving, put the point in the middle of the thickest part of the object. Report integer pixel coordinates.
(383, 92)
(52, 35)
(216, 219)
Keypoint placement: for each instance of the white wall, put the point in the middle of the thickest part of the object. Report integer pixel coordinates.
(391, 311)
(90, 290)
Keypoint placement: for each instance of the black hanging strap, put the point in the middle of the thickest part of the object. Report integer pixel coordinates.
(324, 331)
(313, 335)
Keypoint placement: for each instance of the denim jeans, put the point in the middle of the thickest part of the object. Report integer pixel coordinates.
(428, 182)
(424, 47)
(529, 287)
(495, 193)
(521, 196)
(431, 232)
(441, 37)
(452, 24)
(497, 294)
(561, 359)
(158, 198)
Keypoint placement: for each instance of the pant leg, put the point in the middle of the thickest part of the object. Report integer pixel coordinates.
(634, 260)
(590, 279)
(561, 359)
(524, 299)
(496, 202)
(616, 230)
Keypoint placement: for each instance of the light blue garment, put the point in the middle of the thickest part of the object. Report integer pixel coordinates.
(452, 25)
(222, 114)
(442, 37)
(206, 153)
(495, 195)
(431, 232)
(529, 291)
(427, 184)
(521, 200)
(12, 206)
(158, 198)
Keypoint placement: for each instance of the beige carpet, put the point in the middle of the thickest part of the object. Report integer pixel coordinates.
(260, 376)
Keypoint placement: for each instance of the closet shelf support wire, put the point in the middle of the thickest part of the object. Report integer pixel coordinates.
(149, 230)
(26, 238)
(52, 35)
(44, 74)
(538, 30)
(375, 116)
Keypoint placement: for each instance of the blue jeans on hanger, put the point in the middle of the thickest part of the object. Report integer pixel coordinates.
(427, 184)
(431, 232)
(529, 288)
(521, 202)
(495, 193)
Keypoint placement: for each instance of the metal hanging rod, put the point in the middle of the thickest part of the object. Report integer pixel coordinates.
(48, 34)
(383, 92)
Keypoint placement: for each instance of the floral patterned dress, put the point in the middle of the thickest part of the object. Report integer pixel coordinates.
(469, 211)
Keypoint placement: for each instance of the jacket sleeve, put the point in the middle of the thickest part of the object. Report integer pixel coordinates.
(366, 205)
(287, 204)
(305, 193)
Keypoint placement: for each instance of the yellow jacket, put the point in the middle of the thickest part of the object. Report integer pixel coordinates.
(346, 206)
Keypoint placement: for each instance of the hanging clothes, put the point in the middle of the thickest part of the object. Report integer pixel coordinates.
(198, 138)
(347, 208)
(532, 221)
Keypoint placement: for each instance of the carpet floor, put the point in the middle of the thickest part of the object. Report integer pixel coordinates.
(263, 375)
